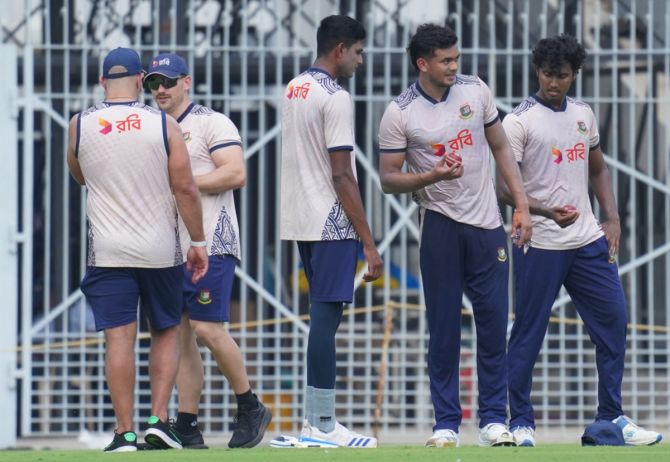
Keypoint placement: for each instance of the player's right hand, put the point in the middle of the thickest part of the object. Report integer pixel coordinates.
(197, 262)
(449, 167)
(564, 216)
(375, 264)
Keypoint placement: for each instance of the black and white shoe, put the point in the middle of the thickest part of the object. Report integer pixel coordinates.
(161, 435)
(123, 442)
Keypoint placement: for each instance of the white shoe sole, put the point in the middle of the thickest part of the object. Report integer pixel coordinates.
(308, 442)
(160, 440)
(284, 442)
(290, 442)
(125, 449)
(503, 440)
(441, 444)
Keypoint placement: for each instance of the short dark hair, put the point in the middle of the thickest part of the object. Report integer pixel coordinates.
(427, 39)
(337, 29)
(553, 52)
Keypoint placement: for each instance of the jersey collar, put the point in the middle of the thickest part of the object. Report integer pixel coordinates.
(563, 107)
(186, 112)
(318, 69)
(119, 103)
(430, 98)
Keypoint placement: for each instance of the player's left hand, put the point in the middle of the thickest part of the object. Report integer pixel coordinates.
(375, 264)
(522, 227)
(612, 230)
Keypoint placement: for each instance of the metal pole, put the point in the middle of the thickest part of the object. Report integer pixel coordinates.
(9, 269)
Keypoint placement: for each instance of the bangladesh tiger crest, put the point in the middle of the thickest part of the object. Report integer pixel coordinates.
(581, 128)
(466, 111)
(205, 297)
(502, 255)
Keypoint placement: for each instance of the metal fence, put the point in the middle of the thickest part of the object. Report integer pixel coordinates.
(241, 54)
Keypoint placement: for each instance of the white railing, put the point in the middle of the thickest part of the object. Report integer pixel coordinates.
(240, 61)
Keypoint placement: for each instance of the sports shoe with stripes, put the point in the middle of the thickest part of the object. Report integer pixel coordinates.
(341, 436)
(635, 435)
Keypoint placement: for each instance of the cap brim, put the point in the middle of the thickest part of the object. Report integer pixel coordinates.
(164, 73)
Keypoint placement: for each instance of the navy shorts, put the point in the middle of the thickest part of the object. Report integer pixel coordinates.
(113, 294)
(330, 267)
(209, 299)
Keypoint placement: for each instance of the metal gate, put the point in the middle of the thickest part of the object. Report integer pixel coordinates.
(242, 53)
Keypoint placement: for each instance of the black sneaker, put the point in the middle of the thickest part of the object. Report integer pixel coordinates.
(192, 440)
(250, 427)
(161, 435)
(147, 447)
(123, 442)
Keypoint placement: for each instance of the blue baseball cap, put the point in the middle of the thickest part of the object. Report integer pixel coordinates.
(170, 65)
(603, 433)
(125, 60)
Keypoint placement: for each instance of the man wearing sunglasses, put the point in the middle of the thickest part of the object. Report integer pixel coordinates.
(217, 161)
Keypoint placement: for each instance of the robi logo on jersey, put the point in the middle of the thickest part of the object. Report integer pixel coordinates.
(439, 149)
(462, 139)
(573, 154)
(299, 92)
(106, 126)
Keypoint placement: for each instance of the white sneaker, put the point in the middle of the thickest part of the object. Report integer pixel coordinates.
(443, 439)
(634, 435)
(495, 434)
(524, 436)
(341, 436)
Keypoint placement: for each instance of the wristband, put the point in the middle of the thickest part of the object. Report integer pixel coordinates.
(198, 243)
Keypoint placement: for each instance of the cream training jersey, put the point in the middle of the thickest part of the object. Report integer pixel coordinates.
(122, 149)
(317, 119)
(426, 129)
(206, 131)
(552, 149)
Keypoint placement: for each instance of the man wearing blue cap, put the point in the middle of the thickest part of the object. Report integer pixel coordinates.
(132, 159)
(215, 151)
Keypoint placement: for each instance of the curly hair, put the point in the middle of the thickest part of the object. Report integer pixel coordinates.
(553, 52)
(427, 39)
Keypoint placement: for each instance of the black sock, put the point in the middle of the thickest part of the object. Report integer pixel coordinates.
(247, 401)
(186, 423)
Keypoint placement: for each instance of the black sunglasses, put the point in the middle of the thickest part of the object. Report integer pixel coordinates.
(154, 81)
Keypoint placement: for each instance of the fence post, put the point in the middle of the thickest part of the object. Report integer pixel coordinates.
(9, 258)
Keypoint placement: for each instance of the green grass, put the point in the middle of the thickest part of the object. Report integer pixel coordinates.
(545, 453)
